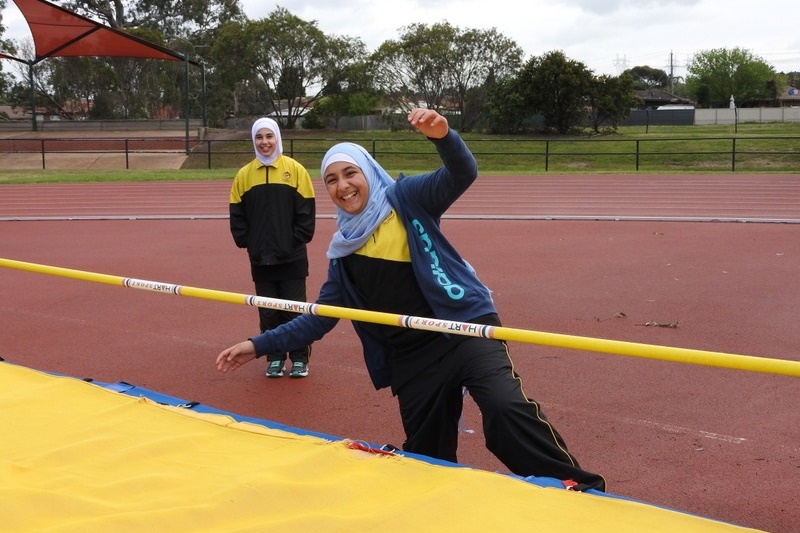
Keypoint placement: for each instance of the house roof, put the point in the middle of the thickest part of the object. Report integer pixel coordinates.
(13, 112)
(790, 94)
(660, 97)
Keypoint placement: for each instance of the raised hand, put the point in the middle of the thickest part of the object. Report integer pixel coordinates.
(429, 123)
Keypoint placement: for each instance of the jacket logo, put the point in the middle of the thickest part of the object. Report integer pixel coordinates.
(454, 291)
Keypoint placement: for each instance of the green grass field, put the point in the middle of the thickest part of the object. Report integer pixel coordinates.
(764, 148)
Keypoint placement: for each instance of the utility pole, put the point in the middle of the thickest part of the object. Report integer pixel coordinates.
(672, 66)
(671, 74)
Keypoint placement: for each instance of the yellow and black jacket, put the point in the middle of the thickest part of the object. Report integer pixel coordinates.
(273, 211)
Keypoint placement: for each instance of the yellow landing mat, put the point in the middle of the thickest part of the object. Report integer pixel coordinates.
(76, 457)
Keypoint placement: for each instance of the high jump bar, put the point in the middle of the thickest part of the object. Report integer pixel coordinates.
(632, 349)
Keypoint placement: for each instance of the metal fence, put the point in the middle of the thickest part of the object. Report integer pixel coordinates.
(775, 153)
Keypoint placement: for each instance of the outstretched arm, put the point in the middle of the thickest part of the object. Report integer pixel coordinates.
(429, 123)
(236, 356)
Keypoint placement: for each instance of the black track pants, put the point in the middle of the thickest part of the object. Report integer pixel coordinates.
(292, 289)
(514, 426)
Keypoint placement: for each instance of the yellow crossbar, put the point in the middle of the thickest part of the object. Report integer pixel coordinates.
(632, 349)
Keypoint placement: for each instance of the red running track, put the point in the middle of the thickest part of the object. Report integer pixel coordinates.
(716, 442)
(727, 197)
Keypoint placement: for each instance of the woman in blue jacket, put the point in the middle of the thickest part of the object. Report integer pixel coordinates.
(389, 255)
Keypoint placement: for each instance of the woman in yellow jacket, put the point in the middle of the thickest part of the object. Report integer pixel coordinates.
(273, 215)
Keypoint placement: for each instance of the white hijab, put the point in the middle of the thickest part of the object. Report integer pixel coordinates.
(272, 126)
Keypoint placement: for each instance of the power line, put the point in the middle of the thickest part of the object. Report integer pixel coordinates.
(621, 65)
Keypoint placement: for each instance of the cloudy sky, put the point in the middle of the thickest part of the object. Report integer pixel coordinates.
(606, 35)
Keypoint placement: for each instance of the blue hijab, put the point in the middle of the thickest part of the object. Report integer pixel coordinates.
(354, 230)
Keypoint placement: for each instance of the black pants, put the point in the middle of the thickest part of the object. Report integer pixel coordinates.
(515, 429)
(293, 289)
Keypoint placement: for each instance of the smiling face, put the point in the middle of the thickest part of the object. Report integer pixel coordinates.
(347, 187)
(265, 142)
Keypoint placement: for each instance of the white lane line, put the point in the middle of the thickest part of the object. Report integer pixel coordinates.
(685, 431)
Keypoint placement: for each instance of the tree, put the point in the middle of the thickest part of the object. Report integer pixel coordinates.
(556, 87)
(76, 85)
(507, 112)
(2, 26)
(481, 58)
(714, 75)
(34, 90)
(130, 87)
(185, 26)
(412, 70)
(611, 99)
(444, 68)
(350, 92)
(5, 79)
(171, 18)
(292, 59)
(645, 77)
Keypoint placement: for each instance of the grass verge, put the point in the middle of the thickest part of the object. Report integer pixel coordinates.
(749, 147)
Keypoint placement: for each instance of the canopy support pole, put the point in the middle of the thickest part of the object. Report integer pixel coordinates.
(33, 97)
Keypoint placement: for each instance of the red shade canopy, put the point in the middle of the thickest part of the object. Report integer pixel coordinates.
(61, 33)
(58, 32)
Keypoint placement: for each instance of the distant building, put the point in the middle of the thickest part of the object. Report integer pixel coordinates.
(10, 112)
(655, 98)
(790, 97)
(72, 110)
